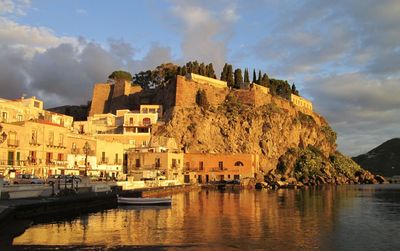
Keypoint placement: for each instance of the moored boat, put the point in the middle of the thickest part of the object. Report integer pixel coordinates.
(145, 201)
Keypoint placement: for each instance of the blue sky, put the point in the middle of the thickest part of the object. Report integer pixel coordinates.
(343, 55)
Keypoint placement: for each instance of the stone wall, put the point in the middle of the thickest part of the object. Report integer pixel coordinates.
(186, 91)
(101, 94)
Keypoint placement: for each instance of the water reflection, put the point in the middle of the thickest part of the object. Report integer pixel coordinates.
(327, 218)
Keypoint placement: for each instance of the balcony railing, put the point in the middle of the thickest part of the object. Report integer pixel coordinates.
(53, 162)
(13, 142)
(103, 161)
(13, 162)
(34, 142)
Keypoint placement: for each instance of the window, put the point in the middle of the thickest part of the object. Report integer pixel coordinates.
(152, 110)
(144, 143)
(19, 117)
(158, 162)
(103, 157)
(132, 142)
(137, 164)
(146, 121)
(4, 116)
(221, 165)
(131, 121)
(61, 140)
(174, 165)
(32, 157)
(60, 157)
(144, 110)
(34, 137)
(51, 138)
(36, 104)
(116, 158)
(239, 163)
(201, 166)
(49, 157)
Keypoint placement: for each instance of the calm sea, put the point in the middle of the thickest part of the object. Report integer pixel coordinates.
(363, 217)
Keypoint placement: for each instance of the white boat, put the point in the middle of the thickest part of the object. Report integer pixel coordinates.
(145, 201)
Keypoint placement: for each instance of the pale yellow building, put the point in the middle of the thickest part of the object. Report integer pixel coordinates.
(25, 109)
(206, 80)
(301, 102)
(165, 165)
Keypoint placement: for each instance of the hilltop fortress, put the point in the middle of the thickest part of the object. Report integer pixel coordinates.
(110, 97)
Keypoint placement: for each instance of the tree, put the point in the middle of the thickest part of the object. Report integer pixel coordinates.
(294, 89)
(265, 80)
(238, 78)
(229, 76)
(210, 71)
(160, 76)
(201, 99)
(254, 76)
(259, 77)
(120, 75)
(224, 73)
(246, 76)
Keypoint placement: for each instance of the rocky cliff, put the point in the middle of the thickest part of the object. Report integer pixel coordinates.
(291, 144)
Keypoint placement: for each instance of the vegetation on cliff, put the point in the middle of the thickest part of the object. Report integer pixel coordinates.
(165, 73)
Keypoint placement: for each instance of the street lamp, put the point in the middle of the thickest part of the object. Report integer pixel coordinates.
(86, 151)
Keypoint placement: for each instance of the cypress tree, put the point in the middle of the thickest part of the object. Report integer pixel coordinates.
(210, 71)
(229, 76)
(254, 76)
(259, 77)
(224, 74)
(238, 78)
(246, 76)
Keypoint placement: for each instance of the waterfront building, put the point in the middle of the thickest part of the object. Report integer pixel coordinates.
(161, 160)
(209, 167)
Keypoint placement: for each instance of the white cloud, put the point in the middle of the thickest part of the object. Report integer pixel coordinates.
(205, 29)
(62, 70)
(18, 7)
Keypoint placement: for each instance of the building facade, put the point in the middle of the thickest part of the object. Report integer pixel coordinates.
(207, 167)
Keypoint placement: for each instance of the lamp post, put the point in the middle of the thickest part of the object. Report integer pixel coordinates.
(86, 151)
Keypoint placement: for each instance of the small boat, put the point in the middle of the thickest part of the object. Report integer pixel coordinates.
(145, 201)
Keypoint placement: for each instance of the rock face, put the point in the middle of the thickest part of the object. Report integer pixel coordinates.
(298, 146)
(383, 160)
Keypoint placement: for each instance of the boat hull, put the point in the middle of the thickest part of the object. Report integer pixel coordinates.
(144, 201)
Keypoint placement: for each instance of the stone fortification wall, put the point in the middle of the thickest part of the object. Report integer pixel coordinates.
(101, 95)
(186, 91)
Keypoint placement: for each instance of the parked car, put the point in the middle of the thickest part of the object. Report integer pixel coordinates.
(56, 178)
(27, 179)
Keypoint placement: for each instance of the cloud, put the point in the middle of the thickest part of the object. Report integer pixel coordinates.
(62, 70)
(206, 28)
(360, 108)
(18, 7)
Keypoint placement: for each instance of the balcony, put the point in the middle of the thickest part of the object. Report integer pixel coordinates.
(103, 161)
(34, 142)
(13, 142)
(52, 162)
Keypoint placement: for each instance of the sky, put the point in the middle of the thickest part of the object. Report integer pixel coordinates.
(344, 55)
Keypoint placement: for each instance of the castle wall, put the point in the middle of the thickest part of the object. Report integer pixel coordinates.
(186, 91)
(101, 94)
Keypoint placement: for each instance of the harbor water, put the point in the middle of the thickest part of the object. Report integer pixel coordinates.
(359, 217)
